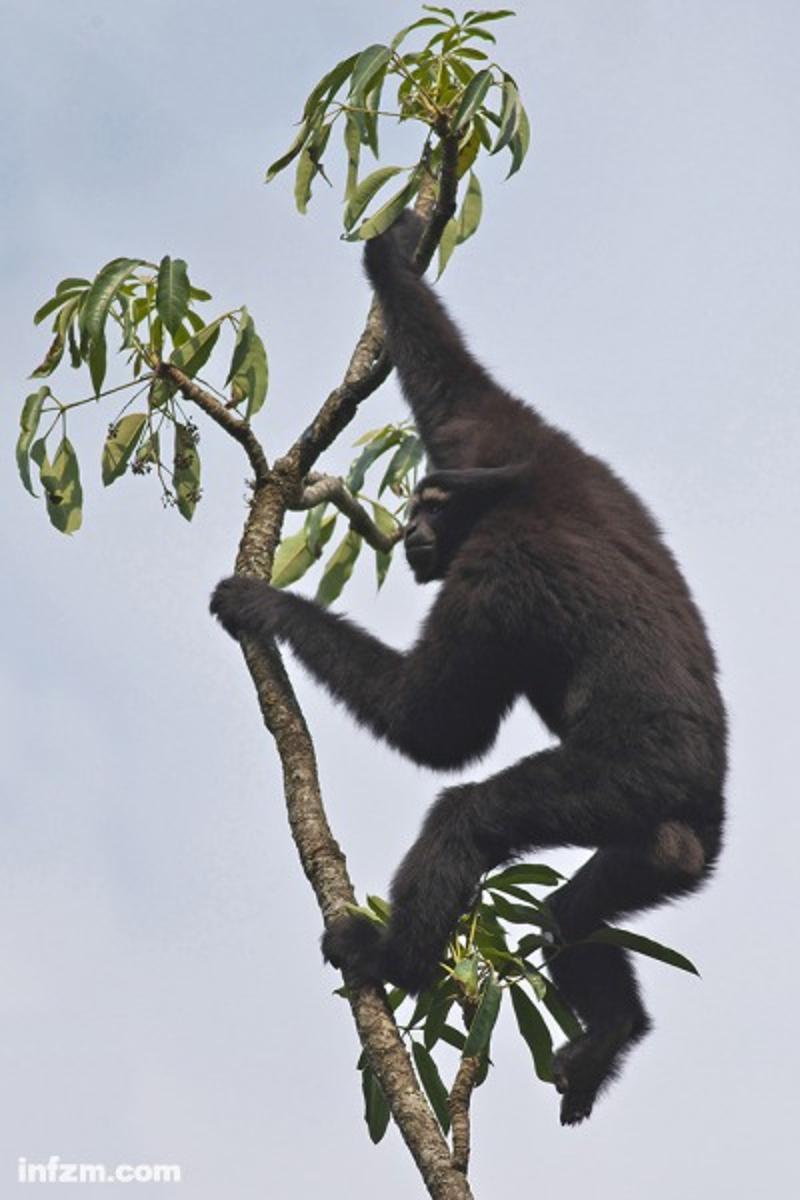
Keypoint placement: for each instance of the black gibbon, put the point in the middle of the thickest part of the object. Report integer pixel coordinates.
(556, 586)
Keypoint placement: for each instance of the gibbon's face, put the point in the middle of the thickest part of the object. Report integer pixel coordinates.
(427, 539)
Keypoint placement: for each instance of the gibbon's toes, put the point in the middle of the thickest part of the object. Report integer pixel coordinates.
(409, 967)
(354, 945)
(576, 1101)
(576, 1107)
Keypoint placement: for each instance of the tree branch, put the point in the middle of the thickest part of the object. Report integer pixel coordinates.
(322, 859)
(322, 488)
(233, 425)
(458, 1103)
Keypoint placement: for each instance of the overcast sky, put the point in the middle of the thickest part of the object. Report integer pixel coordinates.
(162, 996)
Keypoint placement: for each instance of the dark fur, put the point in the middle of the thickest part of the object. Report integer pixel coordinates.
(558, 587)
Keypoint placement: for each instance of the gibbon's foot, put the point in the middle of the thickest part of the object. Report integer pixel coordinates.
(370, 955)
(355, 945)
(583, 1067)
(242, 603)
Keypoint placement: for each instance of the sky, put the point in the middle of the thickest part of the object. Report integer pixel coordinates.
(162, 995)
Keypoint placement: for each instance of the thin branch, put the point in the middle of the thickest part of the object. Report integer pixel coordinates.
(322, 488)
(237, 428)
(458, 1103)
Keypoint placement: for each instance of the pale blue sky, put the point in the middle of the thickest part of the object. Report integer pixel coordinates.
(162, 996)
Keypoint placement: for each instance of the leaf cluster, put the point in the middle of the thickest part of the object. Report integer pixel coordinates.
(152, 309)
(481, 968)
(400, 452)
(449, 85)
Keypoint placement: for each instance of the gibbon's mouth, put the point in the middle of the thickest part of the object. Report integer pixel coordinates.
(422, 560)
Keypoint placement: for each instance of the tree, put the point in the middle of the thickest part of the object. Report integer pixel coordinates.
(463, 106)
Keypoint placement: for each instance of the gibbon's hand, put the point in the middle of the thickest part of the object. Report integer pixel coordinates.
(244, 605)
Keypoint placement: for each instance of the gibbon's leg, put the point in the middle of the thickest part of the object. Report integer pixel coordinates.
(598, 981)
(565, 796)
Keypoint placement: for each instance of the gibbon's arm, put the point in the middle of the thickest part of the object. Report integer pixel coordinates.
(440, 703)
(440, 379)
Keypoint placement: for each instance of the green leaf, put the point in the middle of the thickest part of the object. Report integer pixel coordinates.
(195, 352)
(435, 8)
(297, 145)
(161, 390)
(421, 1008)
(74, 348)
(380, 221)
(376, 1107)
(642, 945)
(473, 98)
(97, 361)
(293, 557)
(530, 943)
(537, 982)
(352, 143)
(373, 104)
(387, 524)
(365, 191)
(403, 34)
(380, 443)
(74, 283)
(405, 459)
(471, 210)
(497, 14)
(476, 32)
(447, 244)
(100, 295)
(329, 85)
(380, 907)
(432, 1084)
(453, 1037)
(149, 451)
(172, 292)
(186, 471)
(51, 359)
(339, 568)
(306, 170)
(520, 914)
(55, 302)
(249, 373)
(367, 65)
(313, 526)
(561, 1013)
(29, 423)
(62, 485)
(534, 1031)
(120, 445)
(519, 143)
(468, 150)
(437, 1017)
(480, 1031)
(533, 873)
(510, 114)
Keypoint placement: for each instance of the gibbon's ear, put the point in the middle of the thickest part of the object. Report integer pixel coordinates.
(478, 479)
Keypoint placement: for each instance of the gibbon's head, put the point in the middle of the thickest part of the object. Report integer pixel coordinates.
(443, 509)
